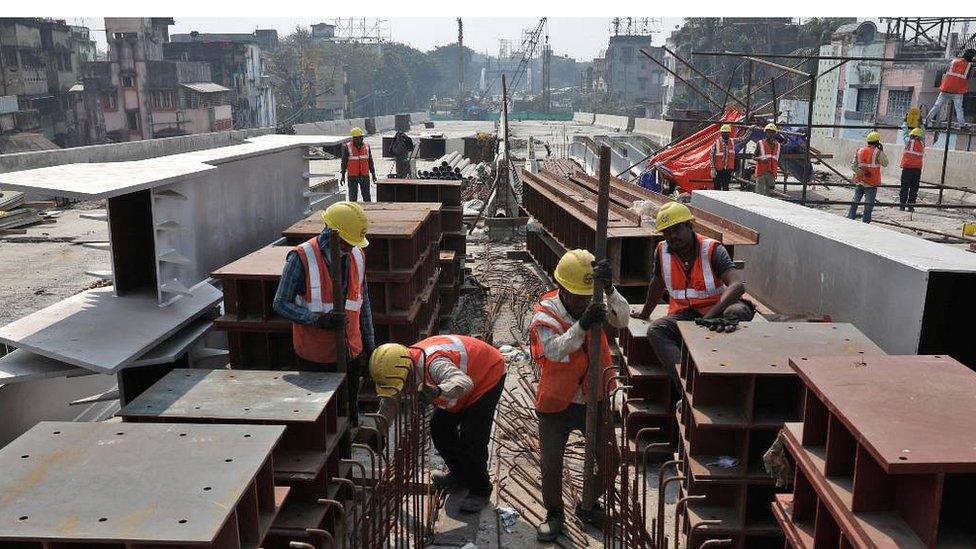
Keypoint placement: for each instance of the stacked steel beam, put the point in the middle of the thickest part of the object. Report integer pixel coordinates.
(454, 243)
(884, 454)
(738, 391)
(402, 271)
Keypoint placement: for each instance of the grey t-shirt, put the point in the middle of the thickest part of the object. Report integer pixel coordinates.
(721, 262)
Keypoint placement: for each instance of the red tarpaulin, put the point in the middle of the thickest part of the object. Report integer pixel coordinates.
(688, 162)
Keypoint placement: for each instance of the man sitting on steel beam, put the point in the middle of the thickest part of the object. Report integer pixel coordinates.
(464, 378)
(701, 281)
(560, 339)
(304, 297)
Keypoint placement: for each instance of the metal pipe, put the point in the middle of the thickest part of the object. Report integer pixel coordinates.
(677, 512)
(799, 56)
(775, 65)
(660, 506)
(807, 168)
(945, 151)
(916, 205)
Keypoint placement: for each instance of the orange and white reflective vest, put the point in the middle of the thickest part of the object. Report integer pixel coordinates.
(483, 363)
(867, 161)
(724, 150)
(954, 80)
(560, 381)
(698, 289)
(914, 153)
(767, 157)
(317, 344)
(358, 160)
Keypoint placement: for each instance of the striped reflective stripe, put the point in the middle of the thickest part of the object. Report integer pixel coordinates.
(711, 289)
(360, 260)
(764, 154)
(706, 266)
(915, 148)
(456, 346)
(666, 267)
(316, 303)
(964, 67)
(872, 163)
(354, 156)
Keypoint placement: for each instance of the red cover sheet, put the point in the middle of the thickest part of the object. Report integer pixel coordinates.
(690, 159)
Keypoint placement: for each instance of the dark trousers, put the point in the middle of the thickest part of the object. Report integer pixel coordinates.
(357, 183)
(722, 179)
(665, 339)
(353, 368)
(554, 429)
(462, 437)
(908, 194)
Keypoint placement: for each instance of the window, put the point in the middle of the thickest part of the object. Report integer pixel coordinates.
(627, 54)
(899, 101)
(127, 82)
(132, 118)
(10, 58)
(108, 101)
(867, 98)
(164, 99)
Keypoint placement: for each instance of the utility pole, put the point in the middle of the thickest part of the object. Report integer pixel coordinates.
(546, 74)
(460, 101)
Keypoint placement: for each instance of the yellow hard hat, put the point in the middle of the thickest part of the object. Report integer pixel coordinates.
(726, 128)
(357, 132)
(916, 132)
(350, 220)
(672, 214)
(575, 272)
(874, 137)
(771, 126)
(389, 366)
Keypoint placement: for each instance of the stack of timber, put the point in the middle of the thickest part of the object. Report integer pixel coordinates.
(884, 454)
(738, 391)
(16, 212)
(402, 272)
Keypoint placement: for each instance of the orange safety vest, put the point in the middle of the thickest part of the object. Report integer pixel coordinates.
(358, 160)
(698, 289)
(867, 160)
(724, 154)
(560, 381)
(767, 161)
(954, 80)
(483, 363)
(914, 153)
(317, 344)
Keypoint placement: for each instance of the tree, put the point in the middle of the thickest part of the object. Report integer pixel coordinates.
(297, 76)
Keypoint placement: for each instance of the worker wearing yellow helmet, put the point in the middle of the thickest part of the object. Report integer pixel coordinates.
(867, 164)
(767, 159)
(559, 340)
(463, 377)
(723, 158)
(304, 297)
(911, 169)
(357, 166)
(701, 281)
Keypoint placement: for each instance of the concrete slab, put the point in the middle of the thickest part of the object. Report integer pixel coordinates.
(101, 332)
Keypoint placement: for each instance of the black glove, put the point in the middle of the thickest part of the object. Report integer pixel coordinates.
(718, 324)
(429, 392)
(331, 320)
(602, 273)
(594, 314)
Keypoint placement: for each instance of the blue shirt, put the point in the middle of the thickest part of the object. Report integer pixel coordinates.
(293, 284)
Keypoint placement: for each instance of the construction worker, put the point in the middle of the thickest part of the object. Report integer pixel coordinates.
(463, 377)
(767, 160)
(400, 149)
(701, 281)
(305, 298)
(911, 169)
(867, 164)
(357, 164)
(560, 339)
(954, 86)
(723, 158)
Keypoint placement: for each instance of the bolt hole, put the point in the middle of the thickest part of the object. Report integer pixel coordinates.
(57, 432)
(196, 407)
(182, 521)
(207, 488)
(772, 365)
(247, 409)
(22, 518)
(182, 434)
(247, 435)
(296, 411)
(308, 394)
(228, 460)
(25, 456)
(120, 433)
(903, 458)
(937, 356)
(803, 358)
(103, 519)
(723, 364)
(860, 352)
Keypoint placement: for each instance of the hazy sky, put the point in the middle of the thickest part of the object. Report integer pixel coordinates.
(581, 38)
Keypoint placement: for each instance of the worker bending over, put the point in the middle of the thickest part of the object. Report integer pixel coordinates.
(560, 342)
(911, 169)
(464, 378)
(701, 282)
(767, 160)
(723, 158)
(867, 164)
(954, 86)
(357, 164)
(305, 298)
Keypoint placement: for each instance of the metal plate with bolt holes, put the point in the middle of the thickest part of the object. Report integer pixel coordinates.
(763, 348)
(915, 414)
(128, 482)
(261, 395)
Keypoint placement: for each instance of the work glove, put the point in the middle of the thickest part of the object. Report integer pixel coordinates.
(331, 320)
(429, 392)
(718, 324)
(594, 314)
(602, 273)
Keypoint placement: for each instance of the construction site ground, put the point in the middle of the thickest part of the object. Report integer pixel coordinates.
(48, 264)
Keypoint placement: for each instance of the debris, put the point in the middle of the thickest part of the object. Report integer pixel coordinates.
(509, 518)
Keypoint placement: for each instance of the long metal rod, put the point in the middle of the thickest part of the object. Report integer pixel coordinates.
(702, 75)
(678, 76)
(596, 336)
(915, 205)
(776, 65)
(807, 167)
(746, 54)
(945, 151)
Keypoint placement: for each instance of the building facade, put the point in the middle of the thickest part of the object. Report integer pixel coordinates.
(635, 82)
